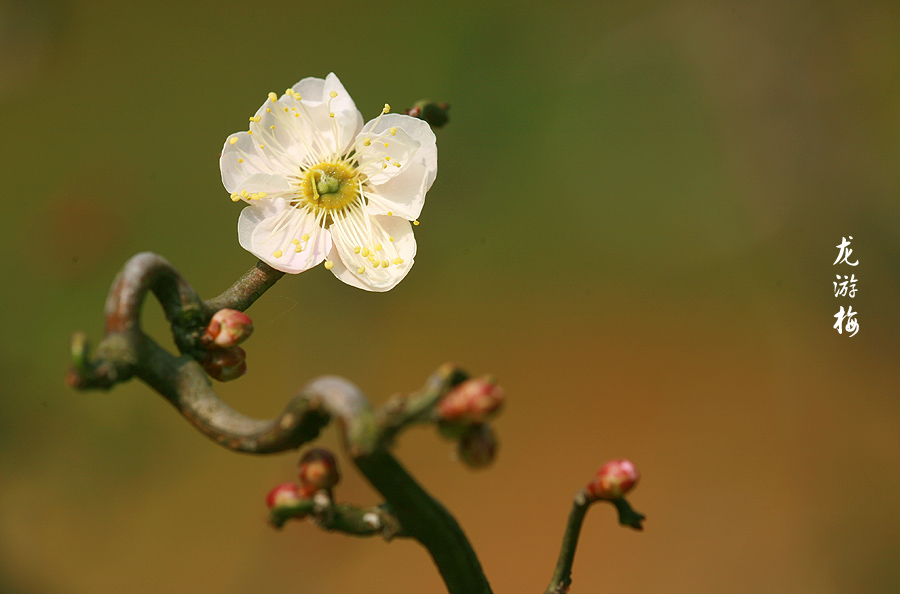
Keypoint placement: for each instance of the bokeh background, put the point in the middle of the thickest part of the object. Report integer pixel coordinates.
(633, 227)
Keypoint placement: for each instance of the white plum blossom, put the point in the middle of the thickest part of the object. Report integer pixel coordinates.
(321, 186)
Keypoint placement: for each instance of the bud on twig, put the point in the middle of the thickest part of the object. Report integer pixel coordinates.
(285, 495)
(478, 446)
(432, 112)
(613, 480)
(471, 402)
(227, 328)
(226, 364)
(318, 470)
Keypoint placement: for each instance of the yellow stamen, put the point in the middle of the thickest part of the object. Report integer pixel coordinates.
(332, 94)
(356, 250)
(273, 97)
(232, 140)
(329, 264)
(305, 237)
(398, 261)
(277, 253)
(361, 269)
(387, 108)
(393, 131)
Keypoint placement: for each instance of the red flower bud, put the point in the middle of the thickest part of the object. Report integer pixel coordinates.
(318, 470)
(614, 479)
(284, 495)
(227, 328)
(471, 402)
(226, 364)
(478, 446)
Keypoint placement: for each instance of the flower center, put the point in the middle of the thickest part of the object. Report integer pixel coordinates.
(329, 186)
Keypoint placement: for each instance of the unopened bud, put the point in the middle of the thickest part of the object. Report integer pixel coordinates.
(318, 470)
(614, 479)
(478, 446)
(226, 364)
(473, 401)
(285, 495)
(432, 112)
(227, 328)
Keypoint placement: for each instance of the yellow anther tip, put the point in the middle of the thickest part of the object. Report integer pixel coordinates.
(232, 140)
(295, 241)
(378, 247)
(356, 250)
(361, 269)
(277, 253)
(387, 108)
(366, 142)
(393, 131)
(332, 94)
(329, 264)
(416, 223)
(305, 237)
(273, 97)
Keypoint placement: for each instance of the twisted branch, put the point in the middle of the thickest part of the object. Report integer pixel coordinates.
(126, 352)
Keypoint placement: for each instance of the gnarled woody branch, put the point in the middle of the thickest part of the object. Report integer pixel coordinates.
(126, 352)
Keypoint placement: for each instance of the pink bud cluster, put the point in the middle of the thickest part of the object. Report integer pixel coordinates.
(317, 471)
(473, 401)
(463, 414)
(613, 480)
(225, 360)
(227, 328)
(283, 496)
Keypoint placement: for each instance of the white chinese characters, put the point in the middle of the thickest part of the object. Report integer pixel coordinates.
(846, 320)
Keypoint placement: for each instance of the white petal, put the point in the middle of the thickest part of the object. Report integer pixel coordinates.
(270, 227)
(316, 97)
(347, 263)
(264, 182)
(402, 196)
(241, 158)
(383, 155)
(416, 129)
(285, 138)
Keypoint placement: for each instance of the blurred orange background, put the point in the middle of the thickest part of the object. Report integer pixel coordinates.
(633, 227)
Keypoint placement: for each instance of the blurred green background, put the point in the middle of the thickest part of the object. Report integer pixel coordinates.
(633, 227)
